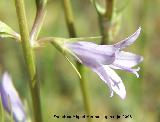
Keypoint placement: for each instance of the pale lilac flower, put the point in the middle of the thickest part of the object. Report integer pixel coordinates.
(11, 99)
(102, 59)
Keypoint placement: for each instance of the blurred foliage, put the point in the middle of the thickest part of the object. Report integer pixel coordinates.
(59, 85)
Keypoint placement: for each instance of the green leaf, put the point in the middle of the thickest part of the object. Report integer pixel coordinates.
(6, 31)
(74, 67)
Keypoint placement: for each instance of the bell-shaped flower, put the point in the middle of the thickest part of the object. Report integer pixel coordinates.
(102, 59)
(10, 99)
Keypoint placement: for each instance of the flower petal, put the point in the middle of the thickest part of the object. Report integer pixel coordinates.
(116, 82)
(128, 41)
(110, 77)
(131, 70)
(9, 93)
(103, 75)
(92, 54)
(127, 59)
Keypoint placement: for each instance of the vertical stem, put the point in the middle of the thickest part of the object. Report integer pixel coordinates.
(105, 21)
(71, 28)
(69, 18)
(84, 90)
(109, 9)
(29, 59)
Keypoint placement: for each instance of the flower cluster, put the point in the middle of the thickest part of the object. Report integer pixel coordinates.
(102, 59)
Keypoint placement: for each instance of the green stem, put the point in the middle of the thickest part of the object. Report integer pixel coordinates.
(84, 90)
(71, 28)
(109, 9)
(40, 15)
(29, 59)
(105, 21)
(69, 18)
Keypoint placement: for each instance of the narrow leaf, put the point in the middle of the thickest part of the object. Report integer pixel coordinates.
(74, 67)
(6, 31)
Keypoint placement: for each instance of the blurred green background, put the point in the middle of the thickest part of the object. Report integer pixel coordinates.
(59, 85)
